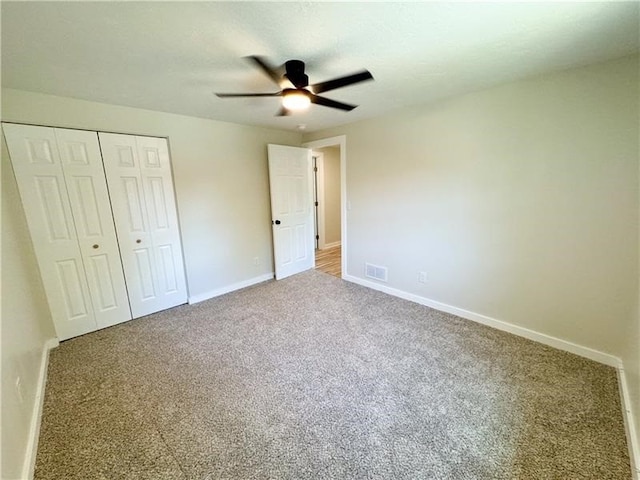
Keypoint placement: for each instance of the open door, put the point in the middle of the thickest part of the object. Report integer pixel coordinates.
(290, 181)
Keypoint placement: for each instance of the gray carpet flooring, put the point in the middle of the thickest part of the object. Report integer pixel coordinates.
(312, 377)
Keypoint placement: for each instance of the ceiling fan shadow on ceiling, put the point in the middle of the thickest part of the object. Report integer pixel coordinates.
(295, 91)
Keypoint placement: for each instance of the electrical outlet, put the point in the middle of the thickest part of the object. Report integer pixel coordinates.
(19, 390)
(256, 260)
(422, 277)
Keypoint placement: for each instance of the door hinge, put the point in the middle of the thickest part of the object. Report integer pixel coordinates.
(315, 169)
(316, 204)
(317, 237)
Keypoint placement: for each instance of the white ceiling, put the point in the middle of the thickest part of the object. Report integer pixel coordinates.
(172, 56)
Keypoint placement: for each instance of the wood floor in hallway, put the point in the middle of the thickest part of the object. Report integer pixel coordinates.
(329, 261)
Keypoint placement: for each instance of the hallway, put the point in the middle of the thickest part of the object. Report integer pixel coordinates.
(330, 261)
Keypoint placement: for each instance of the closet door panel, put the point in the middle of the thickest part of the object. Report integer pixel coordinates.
(142, 215)
(41, 182)
(87, 187)
(122, 171)
(155, 167)
(137, 247)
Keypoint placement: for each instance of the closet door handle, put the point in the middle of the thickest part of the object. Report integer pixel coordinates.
(138, 241)
(96, 246)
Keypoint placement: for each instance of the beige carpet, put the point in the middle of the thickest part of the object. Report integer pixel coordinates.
(315, 378)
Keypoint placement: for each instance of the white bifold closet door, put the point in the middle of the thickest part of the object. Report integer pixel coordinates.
(62, 185)
(138, 173)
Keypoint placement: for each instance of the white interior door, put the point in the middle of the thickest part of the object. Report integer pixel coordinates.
(291, 213)
(84, 175)
(38, 170)
(139, 180)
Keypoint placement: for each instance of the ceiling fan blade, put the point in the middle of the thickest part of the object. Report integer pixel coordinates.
(272, 72)
(233, 95)
(327, 102)
(341, 82)
(283, 112)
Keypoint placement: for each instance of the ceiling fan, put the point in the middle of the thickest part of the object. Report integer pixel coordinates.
(295, 91)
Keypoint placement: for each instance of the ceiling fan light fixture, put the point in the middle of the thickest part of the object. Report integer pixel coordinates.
(296, 100)
(299, 95)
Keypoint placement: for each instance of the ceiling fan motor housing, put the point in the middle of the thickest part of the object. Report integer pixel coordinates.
(295, 73)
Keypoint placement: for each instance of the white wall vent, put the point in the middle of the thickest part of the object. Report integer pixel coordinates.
(375, 271)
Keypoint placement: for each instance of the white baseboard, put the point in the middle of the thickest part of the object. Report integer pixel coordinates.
(632, 435)
(230, 288)
(36, 416)
(558, 343)
(331, 245)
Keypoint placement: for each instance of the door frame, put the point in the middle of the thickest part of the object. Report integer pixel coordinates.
(319, 197)
(339, 141)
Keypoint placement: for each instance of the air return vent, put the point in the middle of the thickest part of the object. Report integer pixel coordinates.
(375, 271)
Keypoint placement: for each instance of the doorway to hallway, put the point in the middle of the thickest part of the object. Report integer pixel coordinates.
(327, 214)
(330, 221)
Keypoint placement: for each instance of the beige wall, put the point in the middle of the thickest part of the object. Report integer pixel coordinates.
(520, 202)
(26, 325)
(331, 160)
